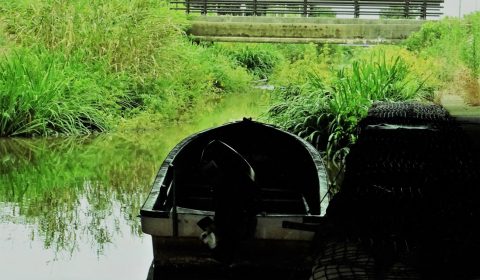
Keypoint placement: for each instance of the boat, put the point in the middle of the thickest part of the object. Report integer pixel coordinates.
(244, 192)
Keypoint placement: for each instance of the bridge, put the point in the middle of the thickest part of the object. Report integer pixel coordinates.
(302, 21)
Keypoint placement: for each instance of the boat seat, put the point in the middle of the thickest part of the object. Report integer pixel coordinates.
(280, 200)
(269, 205)
(273, 200)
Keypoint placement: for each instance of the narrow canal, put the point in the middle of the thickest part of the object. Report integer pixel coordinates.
(68, 207)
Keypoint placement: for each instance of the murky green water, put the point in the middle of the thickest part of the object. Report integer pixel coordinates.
(68, 207)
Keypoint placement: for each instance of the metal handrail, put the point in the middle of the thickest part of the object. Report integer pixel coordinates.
(390, 8)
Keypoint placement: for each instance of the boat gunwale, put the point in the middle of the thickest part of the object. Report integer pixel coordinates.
(196, 212)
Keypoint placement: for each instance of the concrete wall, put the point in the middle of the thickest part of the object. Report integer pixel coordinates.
(301, 30)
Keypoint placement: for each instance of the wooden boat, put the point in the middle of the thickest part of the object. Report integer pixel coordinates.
(257, 188)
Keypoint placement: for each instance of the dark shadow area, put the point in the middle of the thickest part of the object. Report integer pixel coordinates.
(408, 207)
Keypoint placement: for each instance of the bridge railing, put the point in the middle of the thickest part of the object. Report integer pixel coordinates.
(314, 8)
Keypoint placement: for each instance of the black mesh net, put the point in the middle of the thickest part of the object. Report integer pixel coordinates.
(409, 199)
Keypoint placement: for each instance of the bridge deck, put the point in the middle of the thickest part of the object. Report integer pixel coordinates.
(302, 30)
(273, 20)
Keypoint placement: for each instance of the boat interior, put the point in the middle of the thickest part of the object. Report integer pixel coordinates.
(285, 173)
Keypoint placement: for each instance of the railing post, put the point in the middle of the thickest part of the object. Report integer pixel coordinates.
(305, 8)
(356, 7)
(204, 9)
(424, 10)
(187, 6)
(255, 8)
(406, 9)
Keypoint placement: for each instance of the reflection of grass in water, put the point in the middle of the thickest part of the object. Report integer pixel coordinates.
(234, 108)
(85, 188)
(47, 180)
(215, 112)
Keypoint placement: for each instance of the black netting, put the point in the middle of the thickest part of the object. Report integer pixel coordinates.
(410, 197)
(407, 113)
(344, 259)
(345, 252)
(344, 272)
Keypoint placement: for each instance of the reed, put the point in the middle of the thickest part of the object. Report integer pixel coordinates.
(128, 33)
(326, 113)
(259, 59)
(77, 67)
(44, 93)
(455, 45)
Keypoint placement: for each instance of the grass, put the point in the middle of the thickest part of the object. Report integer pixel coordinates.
(66, 186)
(323, 91)
(82, 188)
(301, 60)
(76, 67)
(128, 33)
(43, 92)
(258, 59)
(455, 45)
(326, 113)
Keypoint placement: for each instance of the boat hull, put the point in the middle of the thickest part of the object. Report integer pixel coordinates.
(274, 243)
(187, 252)
(268, 227)
(292, 186)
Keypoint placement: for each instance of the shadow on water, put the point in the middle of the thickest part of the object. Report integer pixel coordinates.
(78, 196)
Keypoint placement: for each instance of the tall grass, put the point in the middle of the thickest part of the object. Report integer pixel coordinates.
(82, 66)
(471, 46)
(441, 40)
(323, 60)
(327, 113)
(129, 33)
(43, 93)
(258, 59)
(455, 44)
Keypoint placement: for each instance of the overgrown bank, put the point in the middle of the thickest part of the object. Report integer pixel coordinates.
(323, 93)
(455, 46)
(73, 67)
(326, 108)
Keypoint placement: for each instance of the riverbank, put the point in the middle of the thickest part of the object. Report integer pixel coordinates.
(70, 204)
(75, 67)
(234, 106)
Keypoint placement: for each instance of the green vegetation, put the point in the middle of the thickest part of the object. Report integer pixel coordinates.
(67, 186)
(44, 92)
(258, 59)
(319, 11)
(73, 67)
(455, 45)
(326, 112)
(83, 188)
(323, 92)
(76, 67)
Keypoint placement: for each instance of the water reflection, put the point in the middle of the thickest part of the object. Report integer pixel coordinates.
(80, 197)
(66, 187)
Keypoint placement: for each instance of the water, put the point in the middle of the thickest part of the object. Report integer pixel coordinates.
(69, 207)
